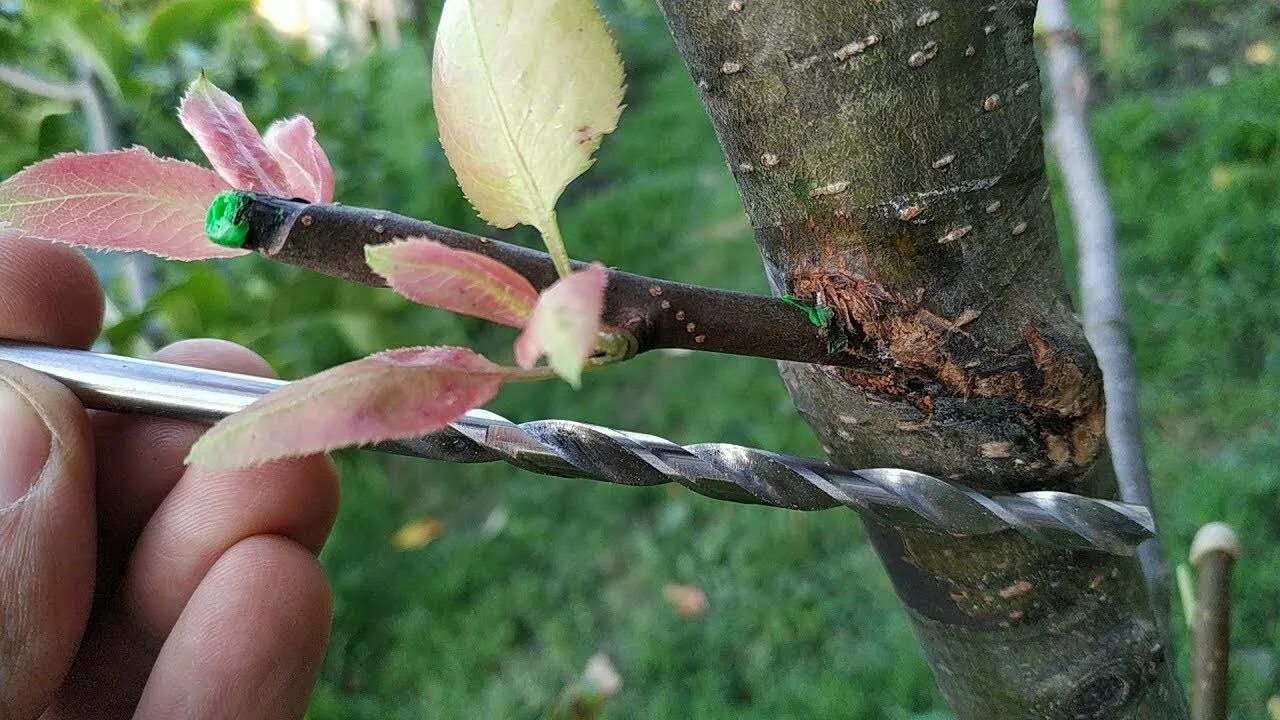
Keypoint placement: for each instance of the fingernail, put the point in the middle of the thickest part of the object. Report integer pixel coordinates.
(24, 444)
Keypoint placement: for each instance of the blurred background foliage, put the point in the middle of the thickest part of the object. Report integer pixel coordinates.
(501, 584)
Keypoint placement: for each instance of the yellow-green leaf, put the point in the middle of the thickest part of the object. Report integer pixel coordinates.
(417, 534)
(524, 92)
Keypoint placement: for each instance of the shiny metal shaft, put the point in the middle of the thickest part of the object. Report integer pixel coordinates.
(571, 449)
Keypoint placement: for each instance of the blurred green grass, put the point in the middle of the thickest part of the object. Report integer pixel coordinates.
(532, 575)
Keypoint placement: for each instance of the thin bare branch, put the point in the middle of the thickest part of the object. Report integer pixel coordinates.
(102, 136)
(136, 270)
(1101, 296)
(20, 79)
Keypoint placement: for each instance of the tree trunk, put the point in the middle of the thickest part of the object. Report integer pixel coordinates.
(890, 158)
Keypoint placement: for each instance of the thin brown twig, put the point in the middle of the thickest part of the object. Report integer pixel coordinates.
(331, 239)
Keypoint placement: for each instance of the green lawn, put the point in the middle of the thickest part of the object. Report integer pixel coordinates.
(530, 575)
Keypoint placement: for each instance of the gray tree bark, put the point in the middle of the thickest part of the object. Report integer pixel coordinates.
(889, 155)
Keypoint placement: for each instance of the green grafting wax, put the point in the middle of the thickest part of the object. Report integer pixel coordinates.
(818, 315)
(224, 223)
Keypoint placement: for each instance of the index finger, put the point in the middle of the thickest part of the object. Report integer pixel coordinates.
(48, 294)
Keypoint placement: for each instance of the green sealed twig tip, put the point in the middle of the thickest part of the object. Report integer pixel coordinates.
(225, 223)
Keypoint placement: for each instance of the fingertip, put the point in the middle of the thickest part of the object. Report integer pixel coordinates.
(216, 355)
(250, 642)
(51, 294)
(278, 578)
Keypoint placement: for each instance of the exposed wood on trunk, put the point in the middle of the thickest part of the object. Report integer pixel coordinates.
(889, 156)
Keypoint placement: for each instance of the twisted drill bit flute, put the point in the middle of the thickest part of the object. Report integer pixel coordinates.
(576, 450)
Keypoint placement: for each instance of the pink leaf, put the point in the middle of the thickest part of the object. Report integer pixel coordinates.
(565, 323)
(306, 166)
(218, 123)
(434, 274)
(392, 395)
(118, 200)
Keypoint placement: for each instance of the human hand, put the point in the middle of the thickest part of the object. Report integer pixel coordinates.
(128, 583)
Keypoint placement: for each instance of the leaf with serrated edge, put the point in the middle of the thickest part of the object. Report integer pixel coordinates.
(118, 200)
(218, 123)
(434, 274)
(392, 395)
(524, 92)
(292, 142)
(565, 324)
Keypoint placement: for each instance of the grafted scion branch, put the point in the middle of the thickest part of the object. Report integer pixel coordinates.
(657, 313)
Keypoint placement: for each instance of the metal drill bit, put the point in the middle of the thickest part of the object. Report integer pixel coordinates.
(571, 449)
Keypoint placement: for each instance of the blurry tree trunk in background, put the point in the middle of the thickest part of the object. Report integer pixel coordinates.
(1109, 29)
(384, 15)
(890, 159)
(1106, 323)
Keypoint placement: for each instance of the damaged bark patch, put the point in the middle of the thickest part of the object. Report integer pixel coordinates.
(923, 358)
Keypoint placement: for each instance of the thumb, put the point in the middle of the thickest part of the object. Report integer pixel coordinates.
(47, 537)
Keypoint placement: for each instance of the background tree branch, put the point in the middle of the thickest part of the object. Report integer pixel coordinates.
(20, 79)
(102, 135)
(1106, 324)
